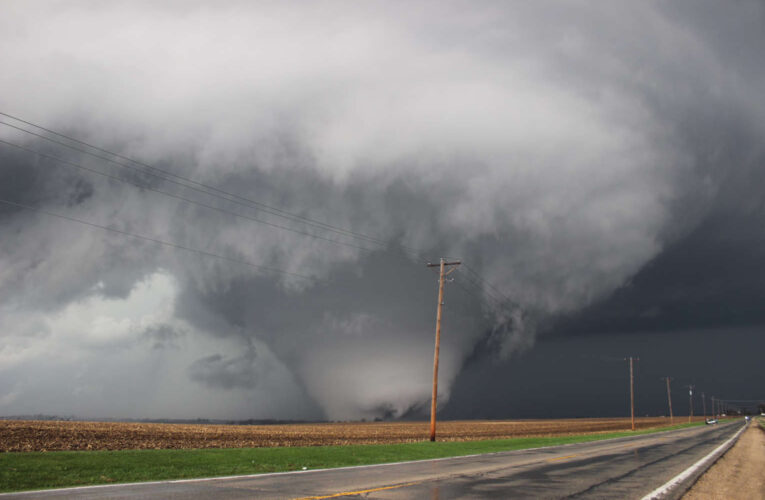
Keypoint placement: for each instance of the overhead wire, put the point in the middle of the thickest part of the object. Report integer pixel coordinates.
(160, 242)
(184, 181)
(471, 288)
(489, 285)
(168, 176)
(205, 189)
(178, 197)
(486, 289)
(485, 294)
(459, 284)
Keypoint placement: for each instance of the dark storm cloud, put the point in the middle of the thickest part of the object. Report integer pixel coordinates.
(30, 182)
(585, 376)
(710, 278)
(556, 148)
(226, 373)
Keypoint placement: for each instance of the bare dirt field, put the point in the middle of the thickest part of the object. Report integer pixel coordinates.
(33, 435)
(738, 474)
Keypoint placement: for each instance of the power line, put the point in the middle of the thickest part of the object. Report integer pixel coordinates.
(475, 291)
(489, 291)
(196, 186)
(205, 189)
(478, 290)
(488, 284)
(178, 197)
(499, 299)
(248, 203)
(475, 282)
(486, 294)
(160, 242)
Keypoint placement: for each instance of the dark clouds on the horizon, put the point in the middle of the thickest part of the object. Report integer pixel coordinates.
(599, 164)
(711, 278)
(585, 376)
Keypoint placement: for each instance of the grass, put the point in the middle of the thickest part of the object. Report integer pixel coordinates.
(41, 470)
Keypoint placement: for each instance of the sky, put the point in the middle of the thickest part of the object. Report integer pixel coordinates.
(597, 168)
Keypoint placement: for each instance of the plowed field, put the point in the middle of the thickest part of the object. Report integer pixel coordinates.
(30, 435)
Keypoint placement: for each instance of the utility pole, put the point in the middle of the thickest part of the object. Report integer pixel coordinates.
(632, 391)
(714, 408)
(441, 278)
(690, 402)
(717, 408)
(704, 405)
(669, 400)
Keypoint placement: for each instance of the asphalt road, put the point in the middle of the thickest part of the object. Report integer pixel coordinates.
(618, 468)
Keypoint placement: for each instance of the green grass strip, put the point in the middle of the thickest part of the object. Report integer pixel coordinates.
(42, 470)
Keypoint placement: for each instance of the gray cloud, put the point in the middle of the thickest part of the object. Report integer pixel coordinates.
(225, 373)
(555, 148)
(163, 336)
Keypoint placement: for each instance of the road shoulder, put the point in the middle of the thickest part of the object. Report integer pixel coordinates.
(738, 473)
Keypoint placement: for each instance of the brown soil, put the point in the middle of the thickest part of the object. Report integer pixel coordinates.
(740, 473)
(32, 435)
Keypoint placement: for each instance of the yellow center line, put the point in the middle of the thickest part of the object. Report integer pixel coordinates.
(359, 492)
(562, 458)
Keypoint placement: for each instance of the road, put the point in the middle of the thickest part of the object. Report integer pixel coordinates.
(619, 468)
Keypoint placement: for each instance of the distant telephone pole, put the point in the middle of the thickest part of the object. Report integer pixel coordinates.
(690, 402)
(669, 400)
(714, 409)
(632, 391)
(704, 405)
(441, 278)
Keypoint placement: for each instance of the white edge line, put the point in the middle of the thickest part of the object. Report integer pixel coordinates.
(368, 466)
(675, 481)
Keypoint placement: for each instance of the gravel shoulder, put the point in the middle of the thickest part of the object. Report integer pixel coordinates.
(739, 473)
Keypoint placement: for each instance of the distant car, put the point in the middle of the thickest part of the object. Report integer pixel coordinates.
(711, 421)
(746, 418)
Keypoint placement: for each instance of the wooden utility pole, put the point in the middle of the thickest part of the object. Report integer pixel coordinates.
(714, 409)
(704, 405)
(441, 278)
(632, 392)
(669, 400)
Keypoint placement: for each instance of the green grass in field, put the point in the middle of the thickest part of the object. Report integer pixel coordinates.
(39, 470)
